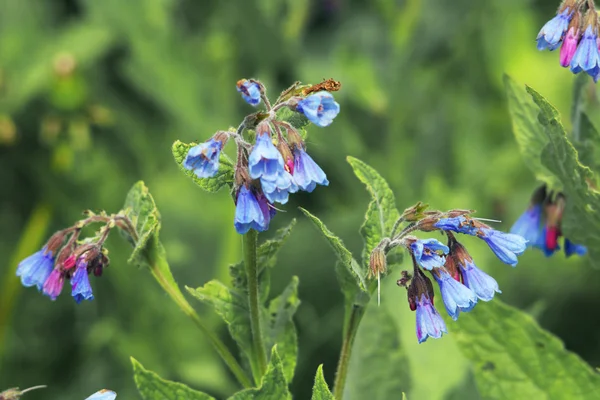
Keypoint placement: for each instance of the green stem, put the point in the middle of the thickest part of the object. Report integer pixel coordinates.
(159, 264)
(351, 328)
(250, 240)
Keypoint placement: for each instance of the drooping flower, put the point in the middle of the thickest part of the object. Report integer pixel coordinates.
(248, 212)
(54, 284)
(552, 32)
(572, 248)
(320, 108)
(250, 91)
(426, 253)
(458, 224)
(307, 173)
(278, 189)
(35, 269)
(203, 159)
(528, 224)
(80, 282)
(457, 297)
(506, 246)
(429, 321)
(264, 161)
(571, 40)
(587, 56)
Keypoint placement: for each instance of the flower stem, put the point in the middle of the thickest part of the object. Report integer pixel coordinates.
(158, 264)
(350, 330)
(249, 244)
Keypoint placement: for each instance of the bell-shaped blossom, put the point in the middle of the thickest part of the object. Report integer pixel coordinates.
(506, 246)
(278, 189)
(587, 57)
(265, 161)
(80, 283)
(456, 296)
(483, 285)
(307, 173)
(320, 108)
(35, 269)
(553, 31)
(426, 253)
(429, 321)
(54, 284)
(248, 212)
(203, 159)
(529, 224)
(250, 91)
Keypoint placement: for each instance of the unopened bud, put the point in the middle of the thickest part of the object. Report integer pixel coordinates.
(414, 213)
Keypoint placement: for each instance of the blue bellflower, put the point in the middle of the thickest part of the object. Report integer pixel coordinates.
(80, 283)
(320, 108)
(586, 57)
(572, 248)
(506, 246)
(35, 269)
(265, 161)
(426, 255)
(553, 31)
(483, 285)
(278, 190)
(429, 321)
(307, 173)
(457, 297)
(456, 224)
(203, 159)
(248, 213)
(528, 224)
(250, 91)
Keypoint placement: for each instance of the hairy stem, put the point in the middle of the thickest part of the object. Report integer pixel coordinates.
(159, 264)
(350, 330)
(250, 243)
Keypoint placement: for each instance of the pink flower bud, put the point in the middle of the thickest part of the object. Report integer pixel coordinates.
(567, 51)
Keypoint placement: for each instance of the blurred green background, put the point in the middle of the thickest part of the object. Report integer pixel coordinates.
(93, 94)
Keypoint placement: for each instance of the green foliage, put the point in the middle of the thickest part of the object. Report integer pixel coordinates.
(516, 359)
(266, 255)
(379, 367)
(320, 389)
(153, 387)
(528, 131)
(381, 213)
(274, 384)
(223, 177)
(350, 275)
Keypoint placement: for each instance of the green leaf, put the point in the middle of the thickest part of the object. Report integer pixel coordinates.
(516, 359)
(153, 387)
(267, 251)
(232, 305)
(581, 221)
(528, 131)
(273, 386)
(141, 210)
(352, 276)
(223, 177)
(320, 389)
(378, 367)
(381, 214)
(296, 119)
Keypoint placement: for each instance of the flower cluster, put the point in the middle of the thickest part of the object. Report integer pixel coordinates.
(461, 283)
(66, 258)
(576, 27)
(540, 224)
(276, 163)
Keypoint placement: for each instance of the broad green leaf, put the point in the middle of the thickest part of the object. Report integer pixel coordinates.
(527, 129)
(320, 389)
(223, 177)
(153, 387)
(581, 221)
(232, 305)
(273, 386)
(141, 210)
(587, 142)
(381, 214)
(378, 365)
(281, 328)
(516, 359)
(352, 279)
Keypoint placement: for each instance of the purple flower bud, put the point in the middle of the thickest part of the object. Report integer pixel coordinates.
(54, 284)
(203, 159)
(250, 91)
(307, 173)
(552, 32)
(320, 108)
(264, 161)
(35, 269)
(456, 296)
(426, 255)
(429, 320)
(80, 282)
(248, 212)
